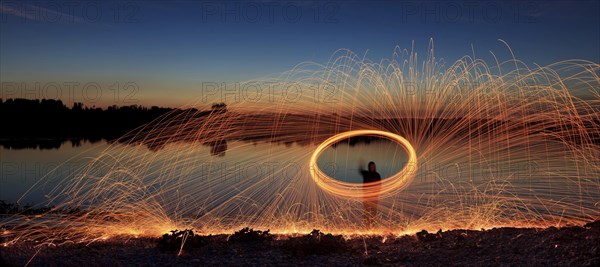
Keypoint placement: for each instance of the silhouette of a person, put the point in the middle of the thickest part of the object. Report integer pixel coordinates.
(370, 203)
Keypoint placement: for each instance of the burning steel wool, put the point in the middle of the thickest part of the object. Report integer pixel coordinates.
(487, 145)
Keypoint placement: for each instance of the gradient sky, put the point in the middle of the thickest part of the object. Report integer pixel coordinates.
(168, 48)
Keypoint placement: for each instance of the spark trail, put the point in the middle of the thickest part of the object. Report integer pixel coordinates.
(500, 145)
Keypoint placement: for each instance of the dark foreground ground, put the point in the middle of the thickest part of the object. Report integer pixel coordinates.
(570, 246)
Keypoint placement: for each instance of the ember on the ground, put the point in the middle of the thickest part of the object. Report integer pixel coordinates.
(569, 246)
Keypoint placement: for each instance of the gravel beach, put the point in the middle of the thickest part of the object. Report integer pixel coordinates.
(569, 246)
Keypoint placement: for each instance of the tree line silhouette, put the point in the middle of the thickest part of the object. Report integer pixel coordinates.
(48, 123)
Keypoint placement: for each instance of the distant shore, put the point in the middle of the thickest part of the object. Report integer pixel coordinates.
(568, 246)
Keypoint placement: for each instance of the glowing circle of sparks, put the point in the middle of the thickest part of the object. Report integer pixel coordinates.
(381, 188)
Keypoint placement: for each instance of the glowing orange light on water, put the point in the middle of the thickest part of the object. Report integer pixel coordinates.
(391, 185)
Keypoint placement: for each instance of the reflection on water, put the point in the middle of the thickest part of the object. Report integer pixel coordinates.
(237, 183)
(247, 163)
(23, 168)
(20, 169)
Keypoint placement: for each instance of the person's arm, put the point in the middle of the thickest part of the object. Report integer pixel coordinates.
(361, 170)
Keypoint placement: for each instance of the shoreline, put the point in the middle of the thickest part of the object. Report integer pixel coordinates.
(507, 246)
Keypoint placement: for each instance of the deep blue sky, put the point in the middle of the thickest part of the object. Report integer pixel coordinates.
(169, 47)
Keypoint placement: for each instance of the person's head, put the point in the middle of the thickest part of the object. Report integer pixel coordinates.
(372, 167)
